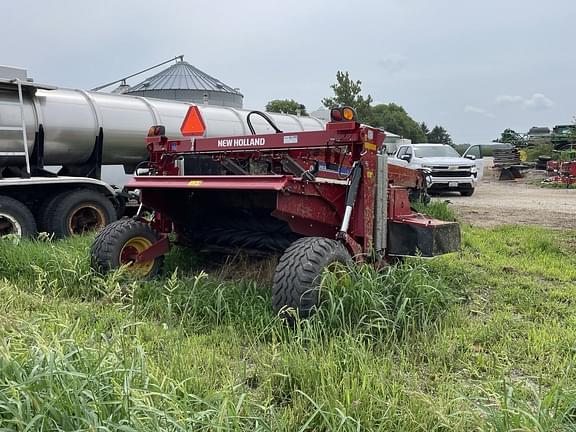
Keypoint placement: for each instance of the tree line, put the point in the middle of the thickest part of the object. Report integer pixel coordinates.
(391, 117)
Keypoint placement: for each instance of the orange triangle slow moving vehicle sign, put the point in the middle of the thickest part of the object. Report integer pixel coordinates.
(193, 124)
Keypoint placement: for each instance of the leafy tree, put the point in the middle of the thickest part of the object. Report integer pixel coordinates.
(286, 106)
(512, 137)
(424, 129)
(347, 92)
(438, 135)
(391, 117)
(395, 119)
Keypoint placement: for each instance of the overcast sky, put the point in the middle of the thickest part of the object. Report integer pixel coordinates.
(473, 67)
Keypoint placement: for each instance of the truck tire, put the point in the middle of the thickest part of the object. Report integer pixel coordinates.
(116, 243)
(16, 218)
(466, 191)
(45, 211)
(299, 273)
(76, 212)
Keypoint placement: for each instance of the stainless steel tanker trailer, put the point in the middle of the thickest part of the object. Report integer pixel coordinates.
(80, 131)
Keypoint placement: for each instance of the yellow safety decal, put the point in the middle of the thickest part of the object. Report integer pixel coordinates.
(194, 183)
(370, 146)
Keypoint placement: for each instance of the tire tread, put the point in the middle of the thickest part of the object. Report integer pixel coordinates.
(21, 212)
(296, 279)
(106, 247)
(55, 212)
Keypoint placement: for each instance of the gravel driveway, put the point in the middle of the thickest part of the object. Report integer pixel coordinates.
(516, 202)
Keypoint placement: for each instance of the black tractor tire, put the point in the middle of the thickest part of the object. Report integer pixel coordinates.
(262, 234)
(466, 191)
(108, 246)
(16, 218)
(299, 273)
(76, 212)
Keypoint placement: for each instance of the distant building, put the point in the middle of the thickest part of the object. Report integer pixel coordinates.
(538, 132)
(184, 82)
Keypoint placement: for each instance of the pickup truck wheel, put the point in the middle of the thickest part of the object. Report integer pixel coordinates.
(466, 191)
(119, 243)
(16, 218)
(76, 212)
(299, 274)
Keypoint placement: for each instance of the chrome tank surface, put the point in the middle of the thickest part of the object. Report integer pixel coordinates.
(72, 118)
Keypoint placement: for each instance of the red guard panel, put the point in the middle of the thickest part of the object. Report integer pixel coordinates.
(263, 182)
(282, 141)
(344, 133)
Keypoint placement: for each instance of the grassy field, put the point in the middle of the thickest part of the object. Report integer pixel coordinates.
(480, 340)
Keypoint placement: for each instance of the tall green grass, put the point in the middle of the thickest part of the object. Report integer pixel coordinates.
(145, 354)
(398, 298)
(479, 340)
(435, 208)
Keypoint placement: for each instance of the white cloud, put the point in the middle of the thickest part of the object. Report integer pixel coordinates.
(537, 101)
(507, 99)
(478, 110)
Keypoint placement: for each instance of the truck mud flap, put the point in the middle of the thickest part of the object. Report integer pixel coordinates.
(426, 240)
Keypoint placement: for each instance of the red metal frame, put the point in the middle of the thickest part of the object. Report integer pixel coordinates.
(159, 248)
(231, 182)
(335, 134)
(311, 205)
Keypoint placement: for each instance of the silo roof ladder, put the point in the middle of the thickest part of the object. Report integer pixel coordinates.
(21, 128)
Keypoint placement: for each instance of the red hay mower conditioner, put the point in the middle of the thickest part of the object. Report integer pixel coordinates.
(317, 197)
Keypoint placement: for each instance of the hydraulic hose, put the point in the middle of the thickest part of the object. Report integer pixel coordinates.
(265, 117)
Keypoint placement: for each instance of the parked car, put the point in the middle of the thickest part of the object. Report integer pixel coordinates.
(448, 171)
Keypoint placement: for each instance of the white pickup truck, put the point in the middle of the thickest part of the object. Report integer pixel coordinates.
(448, 170)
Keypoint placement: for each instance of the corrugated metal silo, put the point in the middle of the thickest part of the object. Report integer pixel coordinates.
(184, 82)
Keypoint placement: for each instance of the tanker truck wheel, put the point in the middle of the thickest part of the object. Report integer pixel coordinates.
(298, 276)
(76, 212)
(118, 244)
(16, 218)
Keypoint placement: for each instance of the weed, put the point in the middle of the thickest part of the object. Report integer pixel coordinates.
(478, 340)
(436, 209)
